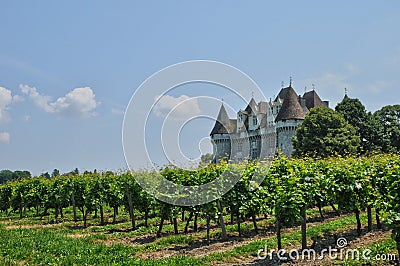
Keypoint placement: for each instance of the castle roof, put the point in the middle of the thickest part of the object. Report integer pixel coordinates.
(251, 107)
(313, 100)
(223, 125)
(291, 108)
(262, 107)
(233, 125)
(283, 93)
(305, 109)
(263, 122)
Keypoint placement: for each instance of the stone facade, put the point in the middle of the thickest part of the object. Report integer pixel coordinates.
(261, 130)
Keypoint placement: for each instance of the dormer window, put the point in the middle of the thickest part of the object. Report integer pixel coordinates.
(254, 120)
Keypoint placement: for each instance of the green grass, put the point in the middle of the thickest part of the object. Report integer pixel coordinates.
(288, 239)
(385, 247)
(54, 245)
(48, 246)
(40, 247)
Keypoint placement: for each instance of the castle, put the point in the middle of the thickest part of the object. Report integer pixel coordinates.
(261, 130)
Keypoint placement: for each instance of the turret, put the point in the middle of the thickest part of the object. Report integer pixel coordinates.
(289, 117)
(220, 135)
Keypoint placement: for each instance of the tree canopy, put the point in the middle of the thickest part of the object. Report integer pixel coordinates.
(353, 111)
(325, 133)
(389, 117)
(368, 127)
(8, 175)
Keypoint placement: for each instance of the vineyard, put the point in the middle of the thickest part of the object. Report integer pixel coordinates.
(107, 218)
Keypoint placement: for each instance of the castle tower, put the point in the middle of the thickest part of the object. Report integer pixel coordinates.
(220, 136)
(289, 117)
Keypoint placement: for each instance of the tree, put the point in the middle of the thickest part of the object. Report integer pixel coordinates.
(325, 133)
(5, 175)
(375, 137)
(45, 175)
(371, 132)
(206, 159)
(55, 173)
(389, 117)
(353, 111)
(21, 174)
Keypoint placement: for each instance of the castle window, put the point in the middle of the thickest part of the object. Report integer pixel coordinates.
(253, 153)
(254, 120)
(254, 145)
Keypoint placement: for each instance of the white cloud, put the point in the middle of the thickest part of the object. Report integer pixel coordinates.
(80, 102)
(40, 100)
(4, 137)
(182, 107)
(6, 99)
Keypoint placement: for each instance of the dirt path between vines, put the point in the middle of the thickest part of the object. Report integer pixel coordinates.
(30, 226)
(201, 249)
(354, 242)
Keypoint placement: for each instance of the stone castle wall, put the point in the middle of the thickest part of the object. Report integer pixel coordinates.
(259, 145)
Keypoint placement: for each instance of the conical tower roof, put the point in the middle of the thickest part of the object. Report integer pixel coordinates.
(282, 94)
(222, 125)
(291, 108)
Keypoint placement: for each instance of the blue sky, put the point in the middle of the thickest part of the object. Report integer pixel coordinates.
(68, 69)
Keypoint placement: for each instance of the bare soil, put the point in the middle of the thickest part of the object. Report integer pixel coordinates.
(200, 248)
(30, 226)
(354, 242)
